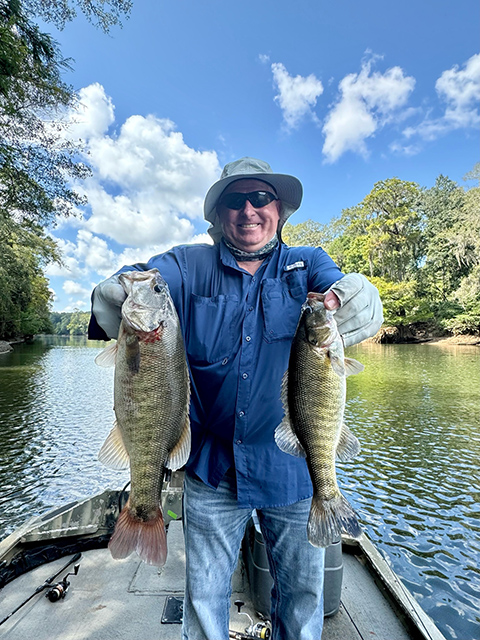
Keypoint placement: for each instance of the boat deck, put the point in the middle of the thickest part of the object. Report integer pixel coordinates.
(125, 599)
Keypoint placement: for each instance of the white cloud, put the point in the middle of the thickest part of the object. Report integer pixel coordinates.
(94, 113)
(459, 89)
(297, 96)
(73, 288)
(148, 183)
(145, 194)
(368, 100)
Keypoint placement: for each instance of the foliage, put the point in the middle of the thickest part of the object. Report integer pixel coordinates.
(381, 236)
(464, 323)
(25, 299)
(38, 163)
(309, 233)
(420, 247)
(74, 323)
(36, 158)
(400, 303)
(102, 13)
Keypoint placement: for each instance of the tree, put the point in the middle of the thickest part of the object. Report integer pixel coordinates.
(78, 325)
(443, 266)
(394, 228)
(101, 13)
(36, 159)
(308, 233)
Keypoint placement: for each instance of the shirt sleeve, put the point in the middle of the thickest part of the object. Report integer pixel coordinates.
(323, 272)
(169, 265)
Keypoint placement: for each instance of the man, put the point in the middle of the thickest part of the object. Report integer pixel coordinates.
(239, 301)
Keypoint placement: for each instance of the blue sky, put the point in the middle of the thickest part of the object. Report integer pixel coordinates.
(341, 94)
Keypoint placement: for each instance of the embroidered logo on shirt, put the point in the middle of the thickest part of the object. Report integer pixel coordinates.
(296, 265)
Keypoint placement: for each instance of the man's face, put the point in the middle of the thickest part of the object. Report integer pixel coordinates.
(249, 228)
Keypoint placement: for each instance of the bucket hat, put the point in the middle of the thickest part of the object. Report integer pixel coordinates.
(288, 188)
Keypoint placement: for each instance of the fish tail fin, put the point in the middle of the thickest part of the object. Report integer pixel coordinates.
(328, 518)
(148, 538)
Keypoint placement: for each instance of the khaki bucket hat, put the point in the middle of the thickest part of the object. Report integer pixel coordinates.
(288, 188)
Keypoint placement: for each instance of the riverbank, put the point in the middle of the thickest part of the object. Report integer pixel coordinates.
(421, 334)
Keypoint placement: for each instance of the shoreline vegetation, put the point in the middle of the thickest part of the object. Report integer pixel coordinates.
(386, 335)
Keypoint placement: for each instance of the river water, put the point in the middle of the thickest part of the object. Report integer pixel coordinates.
(415, 485)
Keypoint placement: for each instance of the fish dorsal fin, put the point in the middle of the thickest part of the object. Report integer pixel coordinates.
(348, 445)
(353, 366)
(113, 453)
(285, 436)
(108, 356)
(180, 453)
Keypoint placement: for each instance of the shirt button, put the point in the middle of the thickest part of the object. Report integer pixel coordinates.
(238, 442)
(224, 361)
(241, 413)
(248, 338)
(244, 376)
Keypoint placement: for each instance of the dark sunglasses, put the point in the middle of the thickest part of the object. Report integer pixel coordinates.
(257, 199)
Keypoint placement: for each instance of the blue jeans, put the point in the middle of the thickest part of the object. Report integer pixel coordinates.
(214, 528)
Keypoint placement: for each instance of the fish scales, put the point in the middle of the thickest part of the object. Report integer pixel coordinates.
(316, 406)
(151, 402)
(150, 397)
(313, 395)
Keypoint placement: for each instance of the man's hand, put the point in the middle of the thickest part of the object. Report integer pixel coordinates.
(108, 298)
(360, 313)
(331, 301)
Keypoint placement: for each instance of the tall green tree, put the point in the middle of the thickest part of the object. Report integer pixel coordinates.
(382, 235)
(38, 163)
(445, 254)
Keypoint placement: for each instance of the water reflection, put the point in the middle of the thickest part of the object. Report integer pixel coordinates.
(416, 482)
(55, 411)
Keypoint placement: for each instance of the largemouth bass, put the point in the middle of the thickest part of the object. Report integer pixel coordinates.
(151, 402)
(313, 395)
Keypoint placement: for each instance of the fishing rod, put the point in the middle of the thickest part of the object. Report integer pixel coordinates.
(45, 585)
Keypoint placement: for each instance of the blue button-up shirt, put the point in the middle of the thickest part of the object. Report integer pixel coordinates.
(238, 329)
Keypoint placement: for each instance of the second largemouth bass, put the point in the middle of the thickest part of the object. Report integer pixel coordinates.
(313, 396)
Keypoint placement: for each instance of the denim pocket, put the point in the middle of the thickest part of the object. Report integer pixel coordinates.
(282, 300)
(210, 337)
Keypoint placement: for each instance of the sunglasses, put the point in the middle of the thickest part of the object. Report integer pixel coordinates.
(257, 199)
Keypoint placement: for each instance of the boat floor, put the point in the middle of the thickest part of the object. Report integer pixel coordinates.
(125, 599)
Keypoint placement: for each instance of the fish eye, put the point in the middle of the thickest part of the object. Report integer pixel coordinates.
(156, 288)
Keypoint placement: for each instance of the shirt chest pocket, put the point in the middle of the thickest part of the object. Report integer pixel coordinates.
(282, 300)
(211, 337)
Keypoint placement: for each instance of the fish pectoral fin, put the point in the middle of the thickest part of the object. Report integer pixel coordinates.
(180, 453)
(348, 445)
(108, 356)
(287, 440)
(113, 453)
(338, 363)
(353, 366)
